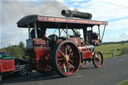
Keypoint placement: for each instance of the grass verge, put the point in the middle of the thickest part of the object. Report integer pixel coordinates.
(124, 82)
(111, 50)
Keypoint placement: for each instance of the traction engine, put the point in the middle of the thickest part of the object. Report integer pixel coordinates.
(61, 51)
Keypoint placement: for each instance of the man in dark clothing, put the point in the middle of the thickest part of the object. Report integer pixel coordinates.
(40, 33)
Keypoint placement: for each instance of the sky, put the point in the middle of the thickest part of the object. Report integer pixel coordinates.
(113, 11)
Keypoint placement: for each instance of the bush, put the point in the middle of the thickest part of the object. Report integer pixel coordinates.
(124, 51)
(15, 51)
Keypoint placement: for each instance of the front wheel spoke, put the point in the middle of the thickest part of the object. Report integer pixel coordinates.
(96, 55)
(99, 58)
(97, 61)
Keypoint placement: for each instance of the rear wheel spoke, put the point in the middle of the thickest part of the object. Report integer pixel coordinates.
(67, 66)
(60, 59)
(61, 52)
(61, 65)
(71, 65)
(65, 70)
(70, 61)
(73, 57)
(66, 50)
(70, 53)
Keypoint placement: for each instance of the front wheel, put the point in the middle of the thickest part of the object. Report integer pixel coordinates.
(97, 59)
(66, 58)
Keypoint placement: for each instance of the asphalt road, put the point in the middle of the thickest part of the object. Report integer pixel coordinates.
(113, 71)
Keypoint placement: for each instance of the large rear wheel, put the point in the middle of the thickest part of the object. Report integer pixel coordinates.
(66, 58)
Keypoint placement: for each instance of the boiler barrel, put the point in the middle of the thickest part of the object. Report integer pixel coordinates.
(69, 13)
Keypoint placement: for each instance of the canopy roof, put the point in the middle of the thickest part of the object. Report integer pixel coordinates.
(55, 22)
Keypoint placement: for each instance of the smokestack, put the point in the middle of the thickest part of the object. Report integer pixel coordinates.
(69, 13)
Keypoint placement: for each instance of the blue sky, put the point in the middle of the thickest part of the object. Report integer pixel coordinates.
(113, 11)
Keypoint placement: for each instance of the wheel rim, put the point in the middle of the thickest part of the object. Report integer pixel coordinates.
(98, 59)
(67, 58)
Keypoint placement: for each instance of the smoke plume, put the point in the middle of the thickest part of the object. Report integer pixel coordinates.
(13, 10)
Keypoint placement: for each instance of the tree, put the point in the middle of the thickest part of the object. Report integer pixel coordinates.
(15, 51)
(21, 45)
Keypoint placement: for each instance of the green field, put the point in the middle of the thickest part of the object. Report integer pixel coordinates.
(124, 82)
(111, 50)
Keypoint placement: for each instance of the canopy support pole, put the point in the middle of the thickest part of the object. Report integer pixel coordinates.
(103, 32)
(66, 30)
(85, 34)
(99, 31)
(59, 32)
(29, 36)
(35, 27)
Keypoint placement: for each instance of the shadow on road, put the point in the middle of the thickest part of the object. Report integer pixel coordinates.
(84, 68)
(35, 76)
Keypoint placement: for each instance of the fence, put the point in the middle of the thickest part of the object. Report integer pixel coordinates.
(110, 54)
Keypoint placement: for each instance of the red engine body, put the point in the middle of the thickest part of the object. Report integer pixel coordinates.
(40, 54)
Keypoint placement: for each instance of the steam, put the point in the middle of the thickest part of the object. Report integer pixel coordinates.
(13, 10)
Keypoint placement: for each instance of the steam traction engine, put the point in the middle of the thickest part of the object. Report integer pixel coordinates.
(66, 51)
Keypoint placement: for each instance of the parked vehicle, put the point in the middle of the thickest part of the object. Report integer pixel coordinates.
(11, 65)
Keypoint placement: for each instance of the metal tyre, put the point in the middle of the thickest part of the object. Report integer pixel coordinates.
(97, 59)
(66, 58)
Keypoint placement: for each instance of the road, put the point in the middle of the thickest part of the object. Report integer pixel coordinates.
(113, 71)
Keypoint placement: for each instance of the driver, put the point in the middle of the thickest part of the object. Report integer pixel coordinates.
(41, 33)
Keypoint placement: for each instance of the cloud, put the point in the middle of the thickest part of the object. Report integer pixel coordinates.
(117, 19)
(119, 3)
(113, 11)
(125, 34)
(13, 10)
(101, 9)
(60, 0)
(118, 25)
(117, 37)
